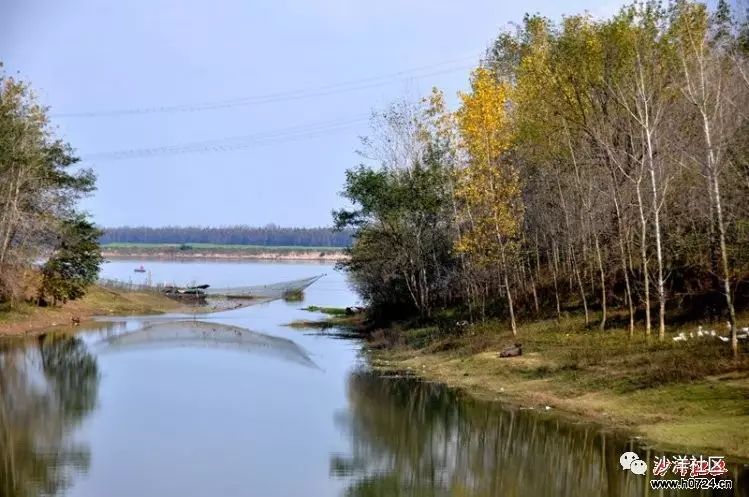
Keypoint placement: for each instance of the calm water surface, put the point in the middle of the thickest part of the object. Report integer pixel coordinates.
(237, 404)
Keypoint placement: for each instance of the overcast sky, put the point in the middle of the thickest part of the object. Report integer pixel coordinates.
(298, 77)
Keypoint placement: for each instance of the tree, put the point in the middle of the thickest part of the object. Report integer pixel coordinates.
(594, 164)
(75, 262)
(488, 188)
(402, 258)
(710, 83)
(37, 187)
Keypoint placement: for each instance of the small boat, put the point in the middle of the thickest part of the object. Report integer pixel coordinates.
(140, 269)
(187, 290)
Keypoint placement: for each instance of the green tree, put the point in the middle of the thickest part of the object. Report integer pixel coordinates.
(75, 262)
(402, 258)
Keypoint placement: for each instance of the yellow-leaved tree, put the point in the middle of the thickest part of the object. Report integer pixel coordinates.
(488, 187)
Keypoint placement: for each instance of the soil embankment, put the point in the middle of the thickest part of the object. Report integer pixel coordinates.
(98, 301)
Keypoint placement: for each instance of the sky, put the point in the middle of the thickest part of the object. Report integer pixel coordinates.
(239, 111)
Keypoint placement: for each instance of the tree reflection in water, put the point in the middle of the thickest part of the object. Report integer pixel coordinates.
(418, 439)
(46, 389)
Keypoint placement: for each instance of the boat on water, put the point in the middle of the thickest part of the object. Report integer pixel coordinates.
(140, 269)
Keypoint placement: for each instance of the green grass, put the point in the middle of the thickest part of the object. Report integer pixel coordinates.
(331, 311)
(19, 311)
(336, 318)
(679, 394)
(303, 324)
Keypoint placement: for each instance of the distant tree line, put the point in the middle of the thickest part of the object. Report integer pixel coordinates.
(269, 235)
(48, 249)
(600, 166)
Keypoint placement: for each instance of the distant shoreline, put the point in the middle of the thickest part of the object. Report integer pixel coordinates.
(237, 252)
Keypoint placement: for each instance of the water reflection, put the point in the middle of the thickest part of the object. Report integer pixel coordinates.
(205, 334)
(417, 439)
(200, 422)
(47, 388)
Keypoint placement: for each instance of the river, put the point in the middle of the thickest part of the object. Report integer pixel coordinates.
(238, 404)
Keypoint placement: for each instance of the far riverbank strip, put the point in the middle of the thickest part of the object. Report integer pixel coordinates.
(223, 252)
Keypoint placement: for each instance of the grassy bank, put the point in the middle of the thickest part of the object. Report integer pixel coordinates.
(336, 317)
(675, 394)
(25, 318)
(220, 251)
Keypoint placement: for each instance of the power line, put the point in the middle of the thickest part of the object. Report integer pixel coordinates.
(331, 89)
(283, 135)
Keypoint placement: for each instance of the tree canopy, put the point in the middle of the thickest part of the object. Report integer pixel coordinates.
(597, 165)
(40, 187)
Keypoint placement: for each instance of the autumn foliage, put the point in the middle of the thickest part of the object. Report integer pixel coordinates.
(594, 166)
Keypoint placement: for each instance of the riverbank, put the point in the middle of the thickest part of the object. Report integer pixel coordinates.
(98, 301)
(677, 395)
(221, 252)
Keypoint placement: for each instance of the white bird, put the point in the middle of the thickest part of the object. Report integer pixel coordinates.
(724, 339)
(745, 329)
(679, 338)
(712, 333)
(691, 335)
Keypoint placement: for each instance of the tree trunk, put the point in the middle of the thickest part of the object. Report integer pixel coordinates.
(575, 267)
(625, 270)
(644, 256)
(658, 249)
(603, 282)
(505, 270)
(556, 286)
(647, 124)
(717, 202)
